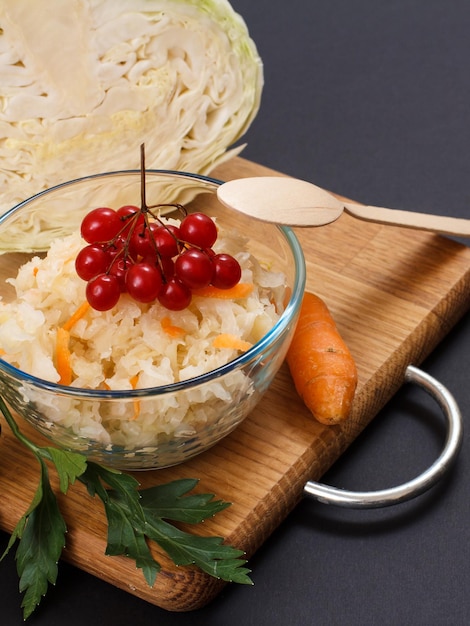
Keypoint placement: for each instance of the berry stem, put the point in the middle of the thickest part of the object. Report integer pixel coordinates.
(143, 199)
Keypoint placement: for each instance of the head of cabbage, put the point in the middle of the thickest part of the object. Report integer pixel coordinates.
(86, 82)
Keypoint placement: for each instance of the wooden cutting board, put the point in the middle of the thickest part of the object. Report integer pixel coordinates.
(394, 293)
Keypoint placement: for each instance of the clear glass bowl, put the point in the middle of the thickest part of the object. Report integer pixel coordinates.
(247, 377)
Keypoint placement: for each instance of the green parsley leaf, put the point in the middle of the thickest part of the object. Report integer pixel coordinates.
(126, 520)
(134, 517)
(127, 539)
(208, 553)
(97, 476)
(166, 502)
(69, 466)
(41, 533)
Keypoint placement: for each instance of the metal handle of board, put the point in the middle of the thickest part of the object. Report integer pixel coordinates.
(387, 497)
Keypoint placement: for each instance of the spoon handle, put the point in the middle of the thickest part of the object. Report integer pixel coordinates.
(409, 219)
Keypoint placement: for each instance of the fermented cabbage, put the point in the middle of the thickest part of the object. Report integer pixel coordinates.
(129, 346)
(85, 82)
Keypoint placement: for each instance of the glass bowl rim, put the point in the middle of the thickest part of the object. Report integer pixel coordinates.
(270, 337)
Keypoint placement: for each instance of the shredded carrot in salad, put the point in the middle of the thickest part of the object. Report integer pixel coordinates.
(226, 340)
(79, 313)
(62, 349)
(241, 290)
(170, 329)
(134, 382)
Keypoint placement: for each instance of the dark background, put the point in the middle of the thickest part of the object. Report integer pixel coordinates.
(369, 98)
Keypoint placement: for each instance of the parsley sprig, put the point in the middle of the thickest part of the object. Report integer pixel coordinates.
(134, 517)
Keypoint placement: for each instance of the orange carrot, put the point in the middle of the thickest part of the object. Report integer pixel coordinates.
(134, 381)
(170, 329)
(62, 347)
(321, 365)
(225, 340)
(240, 290)
(62, 351)
(79, 313)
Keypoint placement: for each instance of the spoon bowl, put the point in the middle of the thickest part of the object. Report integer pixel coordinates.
(281, 200)
(294, 202)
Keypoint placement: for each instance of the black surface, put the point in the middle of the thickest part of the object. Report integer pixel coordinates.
(369, 98)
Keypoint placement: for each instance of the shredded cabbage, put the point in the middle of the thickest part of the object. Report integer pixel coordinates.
(109, 349)
(85, 82)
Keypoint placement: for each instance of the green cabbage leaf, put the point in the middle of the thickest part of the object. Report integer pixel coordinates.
(86, 82)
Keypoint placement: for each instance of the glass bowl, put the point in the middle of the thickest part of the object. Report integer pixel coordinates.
(53, 409)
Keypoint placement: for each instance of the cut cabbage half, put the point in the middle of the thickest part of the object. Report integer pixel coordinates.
(85, 82)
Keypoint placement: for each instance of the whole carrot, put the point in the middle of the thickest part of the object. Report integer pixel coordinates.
(321, 365)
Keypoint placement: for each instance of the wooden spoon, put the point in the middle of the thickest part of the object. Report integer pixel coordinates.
(294, 202)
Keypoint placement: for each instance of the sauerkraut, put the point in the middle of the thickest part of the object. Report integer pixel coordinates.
(134, 345)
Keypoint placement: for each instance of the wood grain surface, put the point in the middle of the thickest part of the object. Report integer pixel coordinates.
(394, 293)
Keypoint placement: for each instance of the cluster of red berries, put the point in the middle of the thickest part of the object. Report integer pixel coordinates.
(133, 251)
